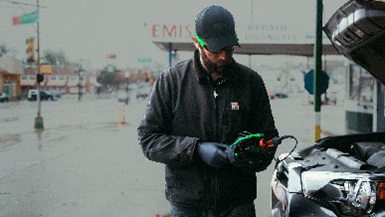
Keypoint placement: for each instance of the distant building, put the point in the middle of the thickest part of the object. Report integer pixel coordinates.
(10, 72)
(61, 79)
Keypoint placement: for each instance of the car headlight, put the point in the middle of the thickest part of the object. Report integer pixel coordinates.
(357, 196)
(354, 194)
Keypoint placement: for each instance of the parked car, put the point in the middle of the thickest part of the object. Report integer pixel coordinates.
(44, 95)
(51, 95)
(123, 96)
(340, 175)
(281, 95)
(4, 97)
(55, 94)
(143, 90)
(141, 94)
(277, 95)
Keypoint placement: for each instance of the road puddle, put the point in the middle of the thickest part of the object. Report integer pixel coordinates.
(9, 138)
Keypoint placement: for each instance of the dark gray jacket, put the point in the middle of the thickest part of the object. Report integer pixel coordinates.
(186, 107)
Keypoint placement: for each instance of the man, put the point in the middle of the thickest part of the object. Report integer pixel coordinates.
(197, 108)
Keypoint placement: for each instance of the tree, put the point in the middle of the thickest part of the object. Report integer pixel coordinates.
(111, 77)
(5, 50)
(57, 58)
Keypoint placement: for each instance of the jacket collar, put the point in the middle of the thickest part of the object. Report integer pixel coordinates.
(203, 76)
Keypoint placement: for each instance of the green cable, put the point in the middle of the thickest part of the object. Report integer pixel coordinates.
(257, 135)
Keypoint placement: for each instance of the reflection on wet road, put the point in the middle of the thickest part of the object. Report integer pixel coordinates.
(84, 162)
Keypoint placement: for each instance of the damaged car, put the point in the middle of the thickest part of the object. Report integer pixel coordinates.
(340, 175)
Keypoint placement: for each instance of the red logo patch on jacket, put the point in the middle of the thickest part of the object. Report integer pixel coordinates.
(234, 106)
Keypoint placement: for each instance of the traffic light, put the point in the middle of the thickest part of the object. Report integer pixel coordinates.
(39, 77)
(30, 50)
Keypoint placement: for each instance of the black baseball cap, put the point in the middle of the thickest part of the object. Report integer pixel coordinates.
(216, 27)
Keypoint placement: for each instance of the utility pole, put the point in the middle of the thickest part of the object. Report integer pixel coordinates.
(80, 84)
(170, 54)
(317, 70)
(27, 19)
(39, 119)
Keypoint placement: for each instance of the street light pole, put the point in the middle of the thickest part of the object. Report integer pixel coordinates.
(126, 77)
(39, 119)
(317, 70)
(80, 74)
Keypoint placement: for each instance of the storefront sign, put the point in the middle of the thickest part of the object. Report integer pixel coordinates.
(172, 32)
(263, 33)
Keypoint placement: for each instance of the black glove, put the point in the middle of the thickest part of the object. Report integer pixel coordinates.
(213, 154)
(249, 152)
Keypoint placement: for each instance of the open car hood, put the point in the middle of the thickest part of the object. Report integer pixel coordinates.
(357, 31)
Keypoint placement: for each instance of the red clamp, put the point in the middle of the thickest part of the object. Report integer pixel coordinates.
(267, 144)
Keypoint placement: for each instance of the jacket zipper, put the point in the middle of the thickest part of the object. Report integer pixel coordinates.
(216, 113)
(216, 108)
(216, 122)
(217, 134)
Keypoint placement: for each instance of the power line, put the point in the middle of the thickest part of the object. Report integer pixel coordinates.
(23, 3)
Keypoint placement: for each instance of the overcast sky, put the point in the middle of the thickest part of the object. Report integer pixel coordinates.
(88, 30)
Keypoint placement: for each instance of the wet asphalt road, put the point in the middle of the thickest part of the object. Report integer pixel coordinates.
(86, 163)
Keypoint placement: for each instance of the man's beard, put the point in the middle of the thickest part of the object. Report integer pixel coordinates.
(219, 66)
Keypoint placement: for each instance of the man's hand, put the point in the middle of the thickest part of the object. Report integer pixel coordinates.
(213, 154)
(251, 151)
